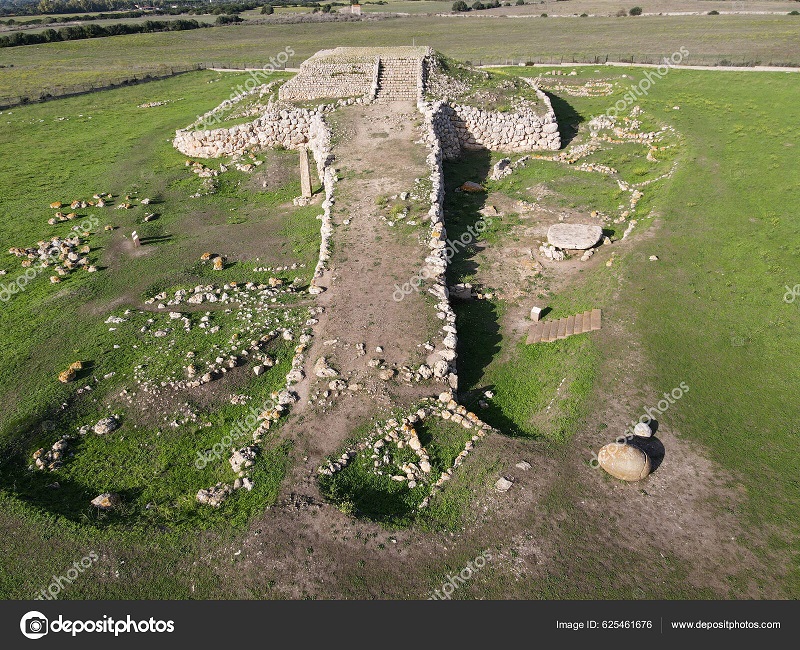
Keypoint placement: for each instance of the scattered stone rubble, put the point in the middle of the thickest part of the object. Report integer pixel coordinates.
(243, 458)
(107, 501)
(53, 458)
(61, 255)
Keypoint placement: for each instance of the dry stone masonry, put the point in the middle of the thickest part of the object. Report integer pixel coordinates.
(378, 449)
(362, 75)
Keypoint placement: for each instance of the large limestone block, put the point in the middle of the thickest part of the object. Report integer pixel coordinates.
(624, 462)
(574, 236)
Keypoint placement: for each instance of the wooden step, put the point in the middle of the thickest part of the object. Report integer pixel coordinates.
(535, 334)
(548, 325)
(595, 319)
(587, 321)
(578, 329)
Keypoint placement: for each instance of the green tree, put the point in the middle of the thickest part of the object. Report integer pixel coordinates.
(460, 6)
(635, 11)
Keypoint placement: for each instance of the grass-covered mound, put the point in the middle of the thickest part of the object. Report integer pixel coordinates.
(457, 82)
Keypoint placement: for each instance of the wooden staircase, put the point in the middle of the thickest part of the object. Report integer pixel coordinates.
(555, 330)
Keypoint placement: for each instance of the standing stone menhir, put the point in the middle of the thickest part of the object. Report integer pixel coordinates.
(305, 174)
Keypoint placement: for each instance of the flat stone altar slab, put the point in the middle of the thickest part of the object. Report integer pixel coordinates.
(574, 236)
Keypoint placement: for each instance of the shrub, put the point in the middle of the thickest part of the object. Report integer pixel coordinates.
(584, 15)
(794, 13)
(478, 5)
(268, 10)
(224, 19)
(713, 12)
(544, 15)
(520, 2)
(460, 6)
(635, 11)
(621, 13)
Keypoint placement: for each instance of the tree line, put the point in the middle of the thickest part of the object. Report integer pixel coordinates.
(78, 32)
(60, 7)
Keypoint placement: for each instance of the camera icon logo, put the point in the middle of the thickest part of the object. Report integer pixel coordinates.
(34, 625)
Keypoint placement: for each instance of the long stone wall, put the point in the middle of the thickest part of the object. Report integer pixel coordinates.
(286, 128)
(444, 360)
(320, 145)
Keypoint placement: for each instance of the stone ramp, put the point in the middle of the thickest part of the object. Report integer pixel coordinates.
(373, 340)
(329, 78)
(555, 330)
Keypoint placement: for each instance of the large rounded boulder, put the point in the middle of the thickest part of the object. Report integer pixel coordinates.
(624, 461)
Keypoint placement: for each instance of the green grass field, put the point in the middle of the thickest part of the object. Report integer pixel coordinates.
(35, 29)
(108, 142)
(709, 39)
(711, 312)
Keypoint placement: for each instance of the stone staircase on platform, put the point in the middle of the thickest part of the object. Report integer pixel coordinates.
(398, 79)
(555, 330)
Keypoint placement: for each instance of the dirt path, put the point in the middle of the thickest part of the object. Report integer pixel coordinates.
(378, 153)
(622, 64)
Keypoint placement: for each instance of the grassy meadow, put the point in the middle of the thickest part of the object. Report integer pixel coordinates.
(111, 142)
(711, 312)
(31, 69)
